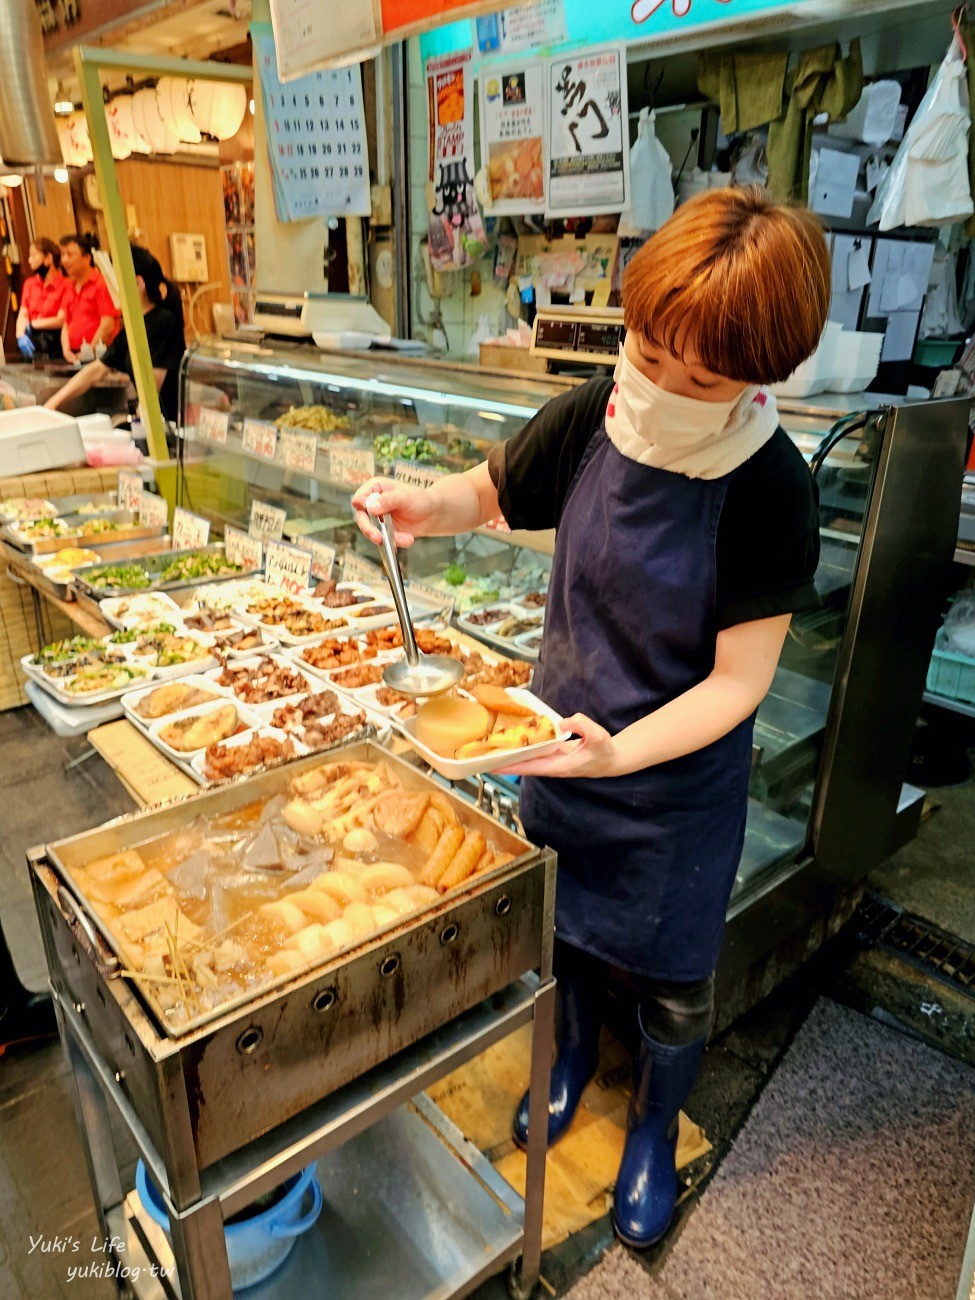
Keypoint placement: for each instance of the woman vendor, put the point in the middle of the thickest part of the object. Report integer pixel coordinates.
(687, 536)
(42, 312)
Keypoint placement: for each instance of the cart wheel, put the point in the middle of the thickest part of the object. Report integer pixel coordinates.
(516, 1287)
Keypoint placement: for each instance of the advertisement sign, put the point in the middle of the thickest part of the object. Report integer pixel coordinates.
(587, 138)
(512, 136)
(455, 233)
(524, 27)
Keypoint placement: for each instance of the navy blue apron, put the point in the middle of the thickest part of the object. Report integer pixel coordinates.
(647, 860)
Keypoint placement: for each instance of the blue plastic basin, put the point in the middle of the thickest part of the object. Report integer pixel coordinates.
(259, 1244)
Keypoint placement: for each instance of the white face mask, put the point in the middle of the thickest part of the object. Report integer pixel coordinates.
(662, 418)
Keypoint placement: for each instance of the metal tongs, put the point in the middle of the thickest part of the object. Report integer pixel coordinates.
(417, 674)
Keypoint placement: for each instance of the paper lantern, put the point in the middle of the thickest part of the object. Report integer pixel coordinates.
(72, 156)
(120, 129)
(218, 107)
(150, 124)
(173, 97)
(78, 138)
(124, 114)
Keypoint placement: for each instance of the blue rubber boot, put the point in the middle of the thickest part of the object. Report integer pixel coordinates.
(578, 1020)
(646, 1185)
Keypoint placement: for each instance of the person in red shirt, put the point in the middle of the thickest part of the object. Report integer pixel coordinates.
(41, 314)
(90, 314)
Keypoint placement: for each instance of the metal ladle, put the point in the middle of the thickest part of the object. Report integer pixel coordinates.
(417, 674)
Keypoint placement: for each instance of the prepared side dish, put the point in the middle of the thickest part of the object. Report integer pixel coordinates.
(97, 678)
(198, 564)
(460, 727)
(172, 698)
(257, 681)
(295, 618)
(333, 596)
(27, 508)
(200, 730)
(235, 900)
(224, 761)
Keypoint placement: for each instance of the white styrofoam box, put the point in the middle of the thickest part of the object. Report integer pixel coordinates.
(33, 439)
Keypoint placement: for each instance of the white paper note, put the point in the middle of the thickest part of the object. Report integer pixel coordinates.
(858, 267)
(899, 336)
(836, 182)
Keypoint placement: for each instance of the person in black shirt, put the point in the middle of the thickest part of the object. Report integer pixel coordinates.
(164, 331)
(686, 537)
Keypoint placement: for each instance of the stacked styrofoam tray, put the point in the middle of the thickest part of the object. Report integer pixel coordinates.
(857, 361)
(519, 645)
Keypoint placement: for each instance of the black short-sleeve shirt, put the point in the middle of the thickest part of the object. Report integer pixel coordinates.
(767, 546)
(167, 344)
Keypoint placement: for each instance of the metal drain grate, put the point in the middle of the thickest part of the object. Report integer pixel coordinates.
(932, 950)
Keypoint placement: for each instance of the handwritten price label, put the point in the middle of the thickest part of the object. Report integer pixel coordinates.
(213, 425)
(260, 438)
(240, 548)
(189, 530)
(267, 522)
(415, 474)
(129, 491)
(153, 511)
(356, 569)
(300, 450)
(350, 466)
(322, 558)
(287, 567)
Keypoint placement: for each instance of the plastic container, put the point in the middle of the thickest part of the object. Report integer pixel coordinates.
(937, 352)
(259, 1244)
(951, 675)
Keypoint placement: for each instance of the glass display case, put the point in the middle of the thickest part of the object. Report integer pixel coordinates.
(300, 429)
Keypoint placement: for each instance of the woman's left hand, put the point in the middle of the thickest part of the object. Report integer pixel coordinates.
(592, 755)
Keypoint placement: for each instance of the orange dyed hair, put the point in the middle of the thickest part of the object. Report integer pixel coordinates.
(743, 279)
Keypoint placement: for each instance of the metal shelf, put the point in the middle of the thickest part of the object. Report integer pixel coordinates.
(411, 1210)
(954, 706)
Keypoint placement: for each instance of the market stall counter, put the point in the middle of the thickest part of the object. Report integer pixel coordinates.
(243, 1055)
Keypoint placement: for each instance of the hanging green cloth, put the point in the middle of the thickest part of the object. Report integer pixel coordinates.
(755, 89)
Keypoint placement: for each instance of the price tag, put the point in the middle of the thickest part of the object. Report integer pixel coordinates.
(129, 491)
(287, 567)
(189, 530)
(430, 595)
(240, 548)
(212, 425)
(260, 438)
(356, 569)
(417, 475)
(153, 511)
(300, 450)
(267, 522)
(322, 558)
(350, 466)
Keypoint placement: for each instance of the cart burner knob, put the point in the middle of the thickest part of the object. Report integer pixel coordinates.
(250, 1040)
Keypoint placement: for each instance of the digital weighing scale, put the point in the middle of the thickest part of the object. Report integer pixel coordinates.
(589, 335)
(333, 320)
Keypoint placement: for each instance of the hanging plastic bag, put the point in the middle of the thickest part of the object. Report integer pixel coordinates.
(927, 184)
(651, 184)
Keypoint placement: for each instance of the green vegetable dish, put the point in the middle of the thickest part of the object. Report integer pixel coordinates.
(60, 651)
(122, 576)
(200, 564)
(125, 636)
(402, 446)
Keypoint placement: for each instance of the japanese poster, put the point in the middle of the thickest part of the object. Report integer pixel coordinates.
(512, 112)
(456, 232)
(588, 161)
(523, 27)
(316, 139)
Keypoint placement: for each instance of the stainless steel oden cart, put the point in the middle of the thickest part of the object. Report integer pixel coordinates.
(329, 1065)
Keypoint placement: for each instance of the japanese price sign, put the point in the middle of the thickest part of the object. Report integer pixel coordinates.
(189, 530)
(153, 511)
(267, 522)
(129, 491)
(243, 549)
(287, 567)
(213, 425)
(260, 438)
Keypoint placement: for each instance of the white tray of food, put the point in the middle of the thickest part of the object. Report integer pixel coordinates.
(142, 610)
(146, 706)
(180, 736)
(294, 621)
(22, 509)
(505, 625)
(170, 654)
(244, 754)
(260, 679)
(91, 684)
(461, 734)
(318, 720)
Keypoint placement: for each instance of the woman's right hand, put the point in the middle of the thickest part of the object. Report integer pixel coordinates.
(411, 509)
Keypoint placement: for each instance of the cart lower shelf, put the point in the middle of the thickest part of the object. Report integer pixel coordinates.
(411, 1211)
